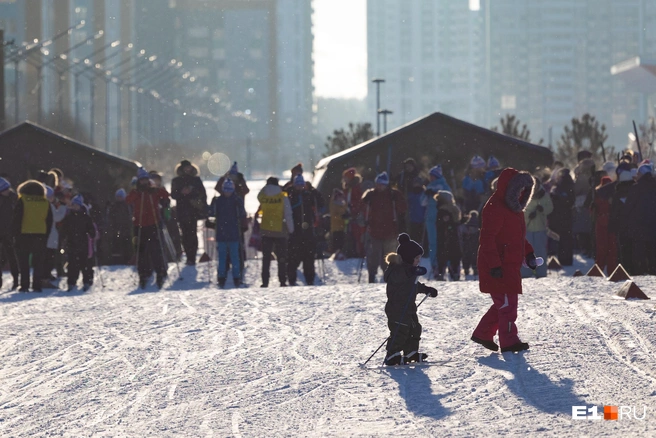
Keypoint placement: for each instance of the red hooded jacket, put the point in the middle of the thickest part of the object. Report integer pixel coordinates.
(503, 234)
(146, 205)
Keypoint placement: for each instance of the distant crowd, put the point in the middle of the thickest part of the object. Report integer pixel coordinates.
(50, 229)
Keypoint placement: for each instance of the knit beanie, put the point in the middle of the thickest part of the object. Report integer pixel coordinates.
(234, 170)
(185, 163)
(408, 249)
(645, 168)
(297, 168)
(228, 186)
(436, 171)
(382, 178)
(120, 194)
(493, 163)
(142, 173)
(477, 162)
(4, 185)
(78, 200)
(273, 181)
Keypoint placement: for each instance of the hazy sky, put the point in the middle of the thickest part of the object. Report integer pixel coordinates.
(340, 48)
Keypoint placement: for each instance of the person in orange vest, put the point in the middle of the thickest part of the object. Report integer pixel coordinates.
(32, 224)
(277, 224)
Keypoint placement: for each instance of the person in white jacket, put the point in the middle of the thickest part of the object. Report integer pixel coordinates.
(58, 213)
(277, 224)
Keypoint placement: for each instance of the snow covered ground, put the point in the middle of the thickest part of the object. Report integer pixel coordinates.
(192, 360)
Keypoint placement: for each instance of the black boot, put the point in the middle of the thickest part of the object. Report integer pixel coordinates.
(142, 282)
(394, 358)
(490, 345)
(415, 357)
(520, 346)
(221, 282)
(237, 282)
(372, 278)
(160, 280)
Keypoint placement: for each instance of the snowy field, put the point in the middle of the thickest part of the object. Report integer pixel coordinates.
(192, 360)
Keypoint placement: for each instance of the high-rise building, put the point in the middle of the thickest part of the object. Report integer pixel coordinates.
(544, 61)
(431, 55)
(256, 58)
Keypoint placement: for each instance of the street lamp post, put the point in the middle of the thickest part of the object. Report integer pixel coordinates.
(385, 113)
(378, 81)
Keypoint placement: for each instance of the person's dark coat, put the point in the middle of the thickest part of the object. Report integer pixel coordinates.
(618, 222)
(7, 205)
(229, 213)
(562, 197)
(401, 290)
(503, 241)
(641, 209)
(76, 228)
(404, 179)
(449, 218)
(119, 219)
(193, 206)
(306, 206)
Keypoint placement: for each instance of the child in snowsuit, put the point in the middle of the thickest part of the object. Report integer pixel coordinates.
(448, 245)
(402, 288)
(77, 228)
(228, 209)
(469, 233)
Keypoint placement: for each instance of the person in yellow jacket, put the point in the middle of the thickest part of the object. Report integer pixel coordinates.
(535, 214)
(32, 224)
(339, 218)
(277, 223)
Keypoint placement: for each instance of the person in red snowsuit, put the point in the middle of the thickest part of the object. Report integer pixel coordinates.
(502, 250)
(606, 249)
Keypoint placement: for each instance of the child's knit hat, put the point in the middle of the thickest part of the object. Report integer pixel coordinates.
(408, 249)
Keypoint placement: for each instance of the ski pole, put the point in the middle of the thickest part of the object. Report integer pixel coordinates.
(388, 338)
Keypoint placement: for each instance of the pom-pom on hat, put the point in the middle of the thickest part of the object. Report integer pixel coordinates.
(299, 181)
(228, 186)
(436, 171)
(142, 173)
(4, 185)
(120, 194)
(477, 162)
(493, 163)
(298, 168)
(78, 200)
(408, 249)
(382, 178)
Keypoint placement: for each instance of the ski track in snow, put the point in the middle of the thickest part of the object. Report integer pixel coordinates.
(193, 360)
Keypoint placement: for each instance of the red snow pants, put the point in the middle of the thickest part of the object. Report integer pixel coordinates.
(606, 247)
(500, 317)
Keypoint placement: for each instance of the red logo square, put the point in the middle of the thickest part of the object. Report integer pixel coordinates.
(610, 412)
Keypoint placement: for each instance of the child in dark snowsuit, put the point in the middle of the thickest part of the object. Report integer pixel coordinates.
(402, 288)
(77, 228)
(448, 245)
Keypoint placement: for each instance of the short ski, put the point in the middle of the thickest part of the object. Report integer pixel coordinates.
(407, 365)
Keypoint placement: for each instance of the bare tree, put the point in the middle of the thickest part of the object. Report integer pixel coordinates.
(510, 127)
(343, 139)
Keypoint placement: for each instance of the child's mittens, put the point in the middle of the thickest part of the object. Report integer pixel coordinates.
(430, 291)
(419, 271)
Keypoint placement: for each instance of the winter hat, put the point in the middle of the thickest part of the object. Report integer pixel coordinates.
(582, 155)
(78, 200)
(273, 181)
(408, 249)
(349, 173)
(645, 168)
(609, 167)
(142, 173)
(185, 163)
(382, 179)
(477, 162)
(297, 168)
(436, 171)
(493, 163)
(228, 186)
(120, 194)
(299, 180)
(4, 185)
(234, 170)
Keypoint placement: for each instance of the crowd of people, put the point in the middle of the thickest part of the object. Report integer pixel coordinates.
(47, 224)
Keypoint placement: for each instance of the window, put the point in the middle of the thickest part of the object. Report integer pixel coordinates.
(198, 32)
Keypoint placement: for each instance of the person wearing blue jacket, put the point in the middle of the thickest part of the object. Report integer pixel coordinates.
(436, 184)
(228, 209)
(473, 185)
